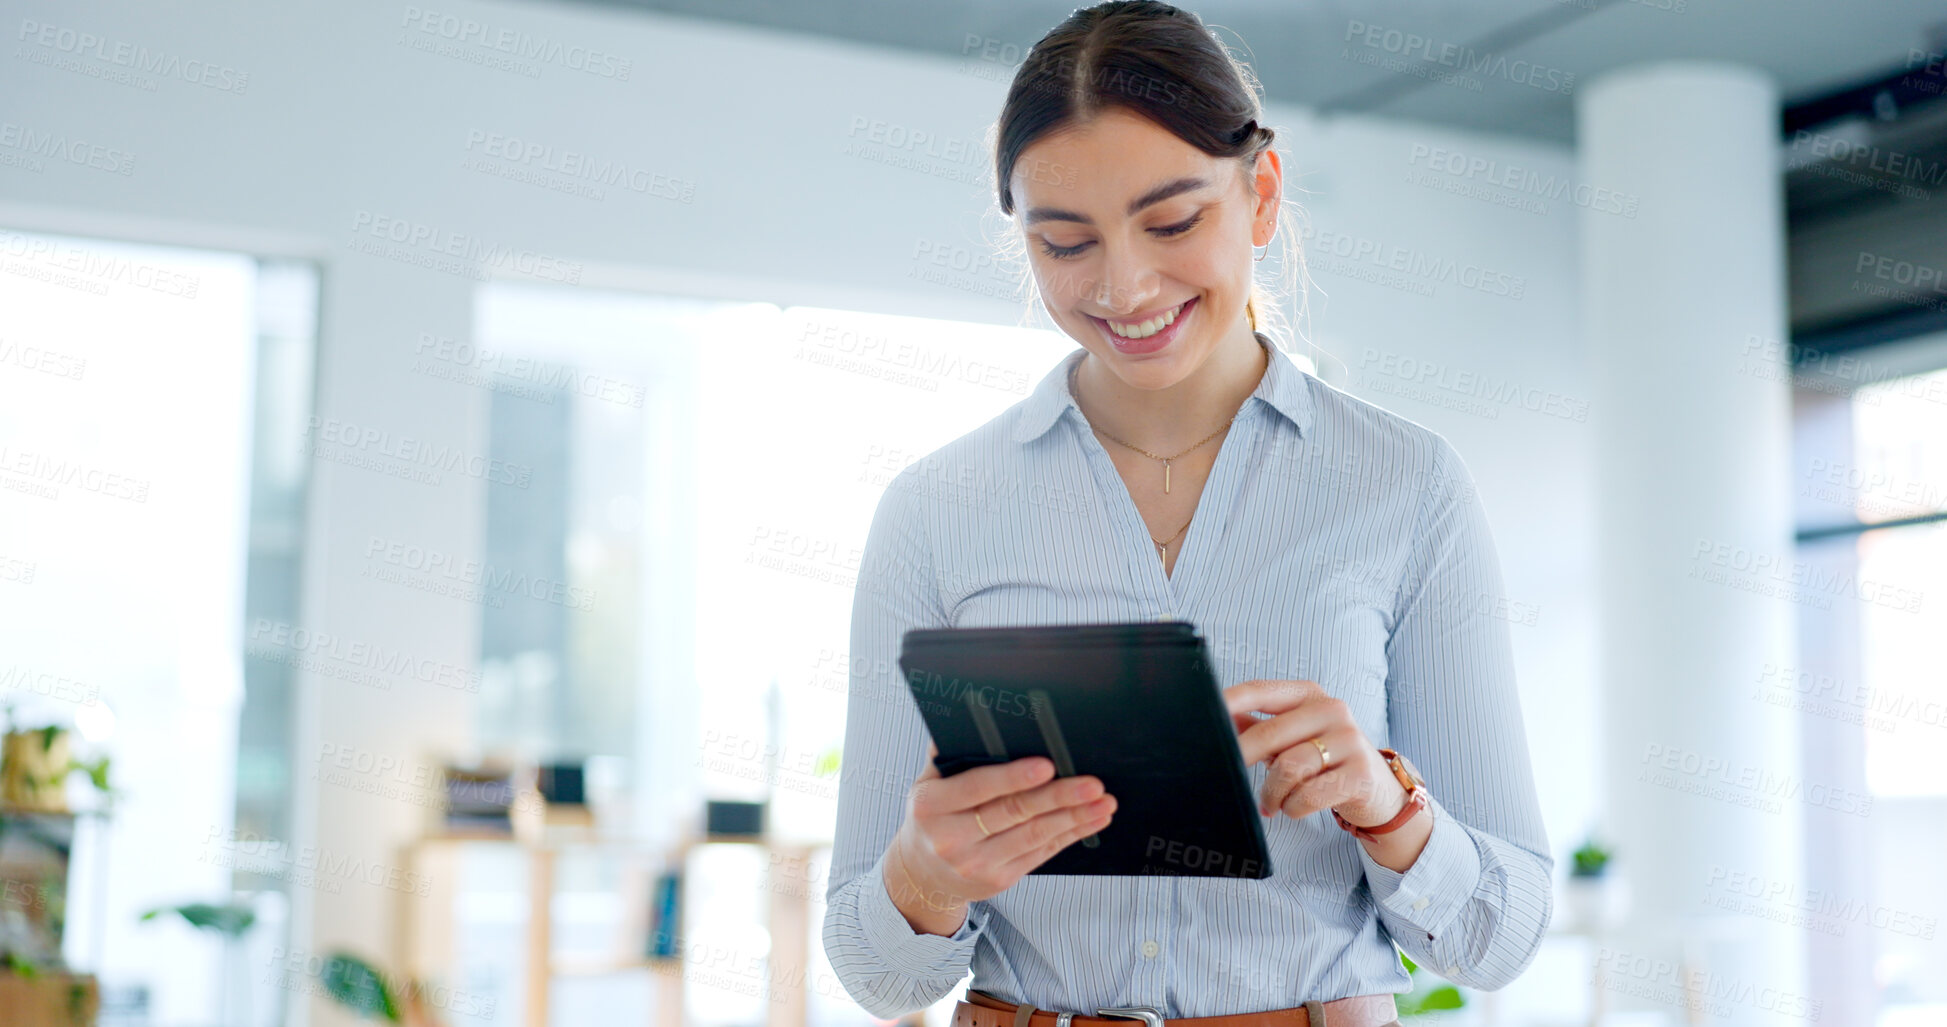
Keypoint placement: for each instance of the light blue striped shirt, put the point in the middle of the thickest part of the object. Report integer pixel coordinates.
(1333, 542)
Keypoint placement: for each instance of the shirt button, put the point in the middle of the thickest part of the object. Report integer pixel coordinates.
(1452, 970)
(1150, 948)
(1420, 903)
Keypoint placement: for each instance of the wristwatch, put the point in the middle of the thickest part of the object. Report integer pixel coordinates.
(1416, 798)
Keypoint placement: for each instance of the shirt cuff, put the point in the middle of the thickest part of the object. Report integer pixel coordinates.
(915, 953)
(1440, 882)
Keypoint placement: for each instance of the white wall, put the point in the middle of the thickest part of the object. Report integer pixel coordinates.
(340, 116)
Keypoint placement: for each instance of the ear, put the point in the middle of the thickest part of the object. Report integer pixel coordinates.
(1267, 183)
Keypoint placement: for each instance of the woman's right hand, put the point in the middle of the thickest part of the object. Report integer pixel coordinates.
(951, 862)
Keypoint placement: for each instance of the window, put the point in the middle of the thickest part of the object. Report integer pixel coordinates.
(1872, 504)
(151, 496)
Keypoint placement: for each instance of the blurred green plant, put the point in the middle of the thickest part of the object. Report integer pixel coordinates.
(1591, 859)
(1426, 996)
(358, 986)
(230, 920)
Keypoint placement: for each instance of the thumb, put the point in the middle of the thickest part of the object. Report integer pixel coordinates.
(929, 770)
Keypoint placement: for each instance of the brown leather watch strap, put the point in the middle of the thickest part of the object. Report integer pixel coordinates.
(1416, 799)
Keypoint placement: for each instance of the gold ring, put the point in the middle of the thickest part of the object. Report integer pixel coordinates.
(984, 833)
(1324, 754)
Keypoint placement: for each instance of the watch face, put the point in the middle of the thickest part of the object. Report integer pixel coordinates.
(1412, 772)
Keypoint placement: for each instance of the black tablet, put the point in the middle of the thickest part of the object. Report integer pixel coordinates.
(1134, 704)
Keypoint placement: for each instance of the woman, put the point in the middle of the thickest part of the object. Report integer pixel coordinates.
(1180, 466)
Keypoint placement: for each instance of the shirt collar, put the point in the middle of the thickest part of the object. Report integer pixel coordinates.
(1283, 389)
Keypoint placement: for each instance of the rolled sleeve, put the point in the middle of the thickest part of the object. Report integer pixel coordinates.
(1426, 898)
(915, 953)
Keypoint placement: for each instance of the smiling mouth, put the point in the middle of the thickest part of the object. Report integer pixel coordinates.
(1147, 327)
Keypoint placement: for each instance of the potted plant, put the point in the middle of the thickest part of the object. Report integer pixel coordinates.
(35, 764)
(34, 767)
(1594, 898)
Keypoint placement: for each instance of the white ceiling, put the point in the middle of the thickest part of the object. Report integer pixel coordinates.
(1299, 48)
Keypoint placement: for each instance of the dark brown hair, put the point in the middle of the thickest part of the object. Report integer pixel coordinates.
(1155, 60)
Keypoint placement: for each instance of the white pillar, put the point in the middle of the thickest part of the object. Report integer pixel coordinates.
(1683, 268)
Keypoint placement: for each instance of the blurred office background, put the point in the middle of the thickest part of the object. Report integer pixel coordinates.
(436, 445)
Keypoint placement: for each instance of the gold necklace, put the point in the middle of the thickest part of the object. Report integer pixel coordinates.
(1153, 456)
(1162, 545)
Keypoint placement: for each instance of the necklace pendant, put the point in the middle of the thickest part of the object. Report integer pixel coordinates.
(1166, 477)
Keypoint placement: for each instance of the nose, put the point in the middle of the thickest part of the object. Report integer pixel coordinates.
(1126, 284)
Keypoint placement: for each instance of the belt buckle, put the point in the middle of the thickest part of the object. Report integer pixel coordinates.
(1149, 1015)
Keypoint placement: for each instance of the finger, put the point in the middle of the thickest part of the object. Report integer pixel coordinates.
(1288, 770)
(930, 770)
(1292, 767)
(1010, 811)
(1062, 830)
(1269, 695)
(1320, 714)
(974, 788)
(1323, 791)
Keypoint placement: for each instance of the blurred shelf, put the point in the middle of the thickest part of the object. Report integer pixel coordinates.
(428, 926)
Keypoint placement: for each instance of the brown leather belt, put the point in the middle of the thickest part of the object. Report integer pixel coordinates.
(980, 1009)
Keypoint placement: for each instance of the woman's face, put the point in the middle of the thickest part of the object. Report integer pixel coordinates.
(1126, 226)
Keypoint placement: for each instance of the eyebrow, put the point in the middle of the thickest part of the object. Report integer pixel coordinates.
(1156, 195)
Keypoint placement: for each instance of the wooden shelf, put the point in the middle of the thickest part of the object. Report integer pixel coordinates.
(427, 941)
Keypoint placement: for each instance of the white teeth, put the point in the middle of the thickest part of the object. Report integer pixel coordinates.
(1149, 327)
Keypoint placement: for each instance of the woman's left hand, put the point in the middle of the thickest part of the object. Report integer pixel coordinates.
(1356, 782)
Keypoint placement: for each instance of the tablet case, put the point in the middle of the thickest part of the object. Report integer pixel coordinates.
(1134, 704)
